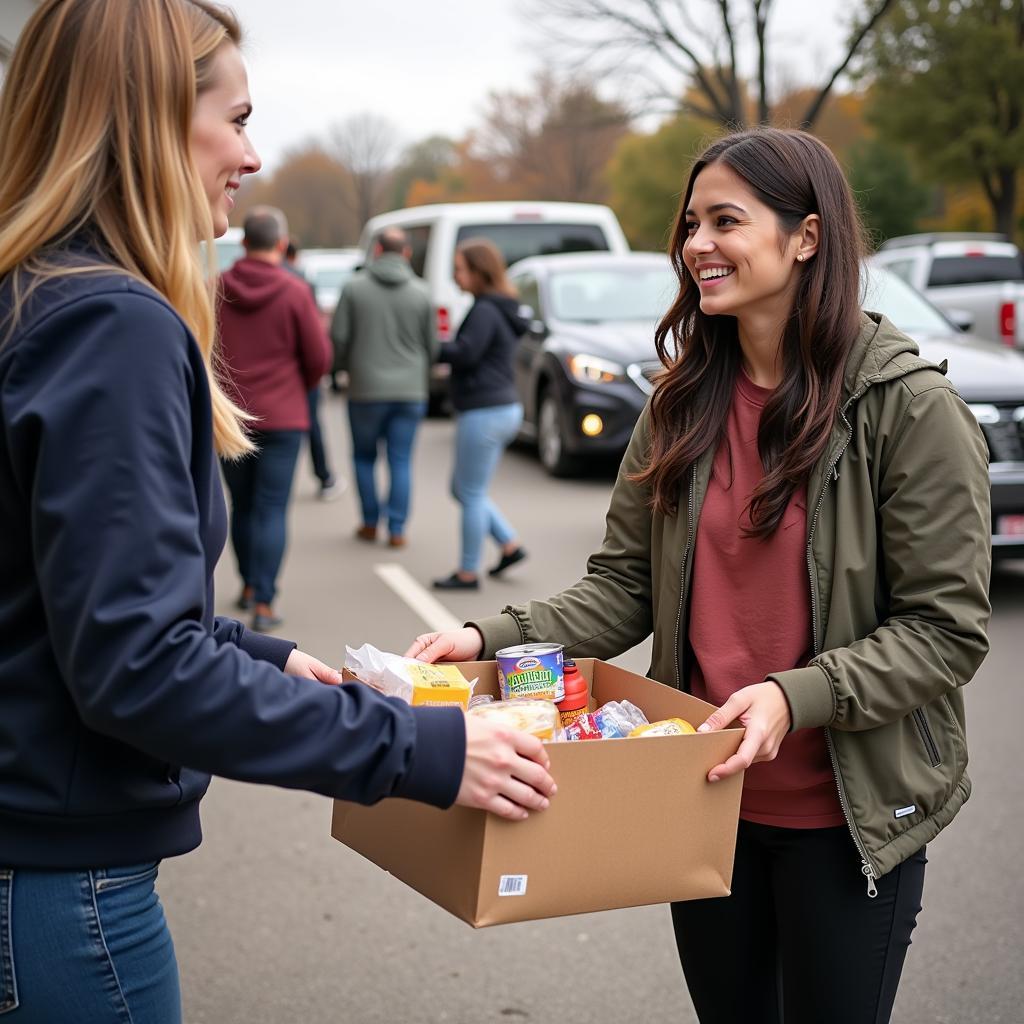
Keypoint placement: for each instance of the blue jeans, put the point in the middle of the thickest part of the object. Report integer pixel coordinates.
(260, 487)
(86, 946)
(481, 435)
(394, 424)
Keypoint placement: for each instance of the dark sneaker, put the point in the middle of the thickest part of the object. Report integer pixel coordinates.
(331, 490)
(245, 600)
(454, 582)
(508, 560)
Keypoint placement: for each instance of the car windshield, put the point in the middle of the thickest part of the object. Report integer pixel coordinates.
(885, 293)
(537, 238)
(612, 293)
(330, 277)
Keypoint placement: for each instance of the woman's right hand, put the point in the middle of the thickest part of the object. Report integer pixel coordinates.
(464, 644)
(506, 770)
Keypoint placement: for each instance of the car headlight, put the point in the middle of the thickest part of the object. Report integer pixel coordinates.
(594, 370)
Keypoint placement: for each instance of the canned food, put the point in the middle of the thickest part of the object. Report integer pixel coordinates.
(531, 670)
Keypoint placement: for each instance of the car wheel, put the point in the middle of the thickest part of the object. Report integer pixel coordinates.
(551, 448)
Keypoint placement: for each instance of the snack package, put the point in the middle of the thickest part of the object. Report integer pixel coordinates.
(612, 721)
(415, 682)
(533, 715)
(666, 727)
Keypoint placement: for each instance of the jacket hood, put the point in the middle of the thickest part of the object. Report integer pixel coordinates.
(390, 270)
(881, 352)
(251, 284)
(509, 309)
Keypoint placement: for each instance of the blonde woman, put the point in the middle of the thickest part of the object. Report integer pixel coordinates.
(123, 139)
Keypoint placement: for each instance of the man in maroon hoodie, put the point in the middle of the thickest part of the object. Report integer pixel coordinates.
(275, 349)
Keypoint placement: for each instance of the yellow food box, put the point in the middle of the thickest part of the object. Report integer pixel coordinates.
(439, 686)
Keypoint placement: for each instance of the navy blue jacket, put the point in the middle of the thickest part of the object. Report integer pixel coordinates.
(482, 355)
(119, 691)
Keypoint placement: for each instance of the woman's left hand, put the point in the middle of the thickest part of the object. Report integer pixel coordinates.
(763, 711)
(305, 665)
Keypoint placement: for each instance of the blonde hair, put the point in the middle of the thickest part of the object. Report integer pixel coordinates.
(95, 126)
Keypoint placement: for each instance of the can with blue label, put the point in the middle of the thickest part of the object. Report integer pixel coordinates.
(531, 670)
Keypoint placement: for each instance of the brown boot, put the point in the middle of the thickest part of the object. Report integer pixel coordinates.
(367, 533)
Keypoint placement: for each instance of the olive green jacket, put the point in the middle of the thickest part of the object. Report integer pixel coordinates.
(898, 563)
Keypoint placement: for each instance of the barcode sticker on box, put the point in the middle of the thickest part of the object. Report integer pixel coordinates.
(512, 885)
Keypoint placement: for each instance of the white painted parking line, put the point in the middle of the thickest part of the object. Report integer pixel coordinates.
(421, 601)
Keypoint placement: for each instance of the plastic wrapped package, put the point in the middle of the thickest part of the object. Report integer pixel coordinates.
(612, 721)
(532, 715)
(416, 682)
(666, 727)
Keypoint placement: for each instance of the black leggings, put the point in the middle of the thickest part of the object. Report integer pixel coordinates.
(799, 941)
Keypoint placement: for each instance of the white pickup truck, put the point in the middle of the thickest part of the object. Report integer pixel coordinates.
(976, 280)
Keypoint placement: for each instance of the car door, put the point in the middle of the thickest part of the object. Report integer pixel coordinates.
(528, 349)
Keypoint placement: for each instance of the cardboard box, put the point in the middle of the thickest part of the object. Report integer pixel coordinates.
(634, 822)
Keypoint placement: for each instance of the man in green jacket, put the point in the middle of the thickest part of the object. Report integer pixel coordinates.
(384, 340)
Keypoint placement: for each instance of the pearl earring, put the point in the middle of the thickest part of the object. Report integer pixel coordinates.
(800, 257)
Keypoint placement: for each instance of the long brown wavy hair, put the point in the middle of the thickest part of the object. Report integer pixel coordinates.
(795, 175)
(95, 129)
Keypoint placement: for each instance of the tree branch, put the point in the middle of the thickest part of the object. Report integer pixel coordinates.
(819, 101)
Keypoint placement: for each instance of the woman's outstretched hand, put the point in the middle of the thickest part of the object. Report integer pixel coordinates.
(506, 771)
(456, 645)
(763, 711)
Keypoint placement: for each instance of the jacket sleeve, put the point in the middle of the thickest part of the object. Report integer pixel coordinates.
(933, 509)
(474, 338)
(261, 646)
(102, 406)
(314, 345)
(609, 610)
(341, 331)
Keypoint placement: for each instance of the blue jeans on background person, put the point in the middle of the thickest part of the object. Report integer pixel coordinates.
(90, 947)
(394, 424)
(260, 487)
(481, 435)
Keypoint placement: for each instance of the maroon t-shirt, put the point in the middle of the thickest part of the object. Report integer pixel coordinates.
(750, 614)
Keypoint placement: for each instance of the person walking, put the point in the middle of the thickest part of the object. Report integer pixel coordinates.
(384, 340)
(488, 412)
(802, 520)
(120, 692)
(331, 489)
(275, 351)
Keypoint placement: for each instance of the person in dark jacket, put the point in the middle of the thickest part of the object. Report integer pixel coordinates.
(488, 412)
(803, 522)
(120, 692)
(331, 488)
(275, 351)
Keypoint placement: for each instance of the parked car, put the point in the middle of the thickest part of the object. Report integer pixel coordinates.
(327, 270)
(978, 280)
(586, 367)
(584, 370)
(989, 378)
(519, 230)
(228, 249)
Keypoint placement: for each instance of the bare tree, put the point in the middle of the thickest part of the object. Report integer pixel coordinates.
(367, 145)
(554, 141)
(690, 52)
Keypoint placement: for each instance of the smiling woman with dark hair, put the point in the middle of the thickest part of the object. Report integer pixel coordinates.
(802, 520)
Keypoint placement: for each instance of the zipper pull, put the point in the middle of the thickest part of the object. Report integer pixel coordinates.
(869, 872)
(835, 471)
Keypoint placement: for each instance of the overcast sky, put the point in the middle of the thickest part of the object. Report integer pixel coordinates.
(427, 66)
